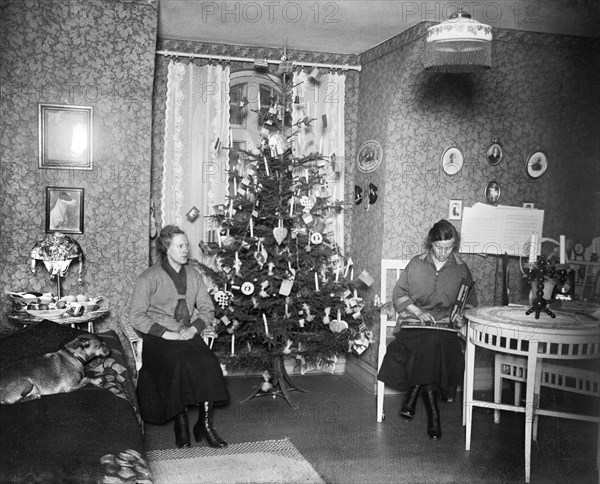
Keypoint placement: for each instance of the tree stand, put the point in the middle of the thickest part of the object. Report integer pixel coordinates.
(277, 384)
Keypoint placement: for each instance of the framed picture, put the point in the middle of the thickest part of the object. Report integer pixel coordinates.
(494, 153)
(493, 192)
(528, 205)
(64, 210)
(455, 210)
(452, 160)
(537, 164)
(65, 136)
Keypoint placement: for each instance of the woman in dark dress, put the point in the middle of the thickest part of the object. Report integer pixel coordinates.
(428, 361)
(170, 308)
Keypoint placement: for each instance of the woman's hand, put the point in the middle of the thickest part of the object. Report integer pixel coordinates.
(424, 317)
(188, 333)
(171, 335)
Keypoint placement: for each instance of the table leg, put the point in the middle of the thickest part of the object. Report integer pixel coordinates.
(468, 396)
(530, 404)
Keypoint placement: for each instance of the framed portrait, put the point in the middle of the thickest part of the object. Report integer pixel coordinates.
(537, 164)
(494, 153)
(452, 160)
(64, 210)
(455, 210)
(65, 136)
(493, 192)
(528, 205)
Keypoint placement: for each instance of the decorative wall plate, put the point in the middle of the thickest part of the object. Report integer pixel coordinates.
(452, 160)
(494, 153)
(370, 156)
(537, 164)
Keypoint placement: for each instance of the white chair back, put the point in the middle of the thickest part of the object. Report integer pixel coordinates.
(390, 272)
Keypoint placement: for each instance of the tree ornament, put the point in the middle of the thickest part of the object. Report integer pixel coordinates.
(261, 254)
(247, 288)
(280, 233)
(308, 202)
(223, 298)
(316, 238)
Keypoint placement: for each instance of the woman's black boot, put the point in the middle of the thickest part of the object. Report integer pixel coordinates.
(204, 427)
(434, 427)
(408, 409)
(182, 430)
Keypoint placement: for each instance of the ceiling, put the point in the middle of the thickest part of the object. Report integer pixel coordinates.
(354, 26)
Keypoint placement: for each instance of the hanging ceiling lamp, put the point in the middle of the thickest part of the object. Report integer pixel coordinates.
(460, 44)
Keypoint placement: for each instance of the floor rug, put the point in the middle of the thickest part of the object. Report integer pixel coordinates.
(270, 461)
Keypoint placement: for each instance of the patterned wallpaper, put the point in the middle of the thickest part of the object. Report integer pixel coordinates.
(98, 54)
(522, 102)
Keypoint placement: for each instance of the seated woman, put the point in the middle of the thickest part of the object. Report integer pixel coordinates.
(178, 369)
(424, 360)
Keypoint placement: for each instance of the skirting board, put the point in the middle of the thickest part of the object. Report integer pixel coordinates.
(364, 375)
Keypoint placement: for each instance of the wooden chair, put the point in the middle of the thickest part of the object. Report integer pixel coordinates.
(390, 269)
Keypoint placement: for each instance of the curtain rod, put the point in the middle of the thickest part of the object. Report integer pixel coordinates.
(170, 53)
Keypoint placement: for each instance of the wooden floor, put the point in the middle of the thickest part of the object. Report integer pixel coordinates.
(336, 431)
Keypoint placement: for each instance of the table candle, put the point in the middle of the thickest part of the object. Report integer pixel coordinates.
(563, 253)
(532, 248)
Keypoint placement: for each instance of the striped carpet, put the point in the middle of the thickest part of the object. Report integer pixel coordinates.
(270, 461)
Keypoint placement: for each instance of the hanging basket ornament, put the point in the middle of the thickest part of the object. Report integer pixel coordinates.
(308, 202)
(280, 233)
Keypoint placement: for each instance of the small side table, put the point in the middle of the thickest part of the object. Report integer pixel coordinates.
(21, 317)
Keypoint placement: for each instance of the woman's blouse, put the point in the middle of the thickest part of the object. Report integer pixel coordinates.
(432, 290)
(155, 298)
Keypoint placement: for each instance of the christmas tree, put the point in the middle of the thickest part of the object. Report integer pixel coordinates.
(283, 286)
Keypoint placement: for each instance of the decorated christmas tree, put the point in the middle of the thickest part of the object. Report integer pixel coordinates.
(282, 285)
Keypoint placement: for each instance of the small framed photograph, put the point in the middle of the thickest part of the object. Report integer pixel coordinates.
(528, 205)
(64, 210)
(65, 136)
(455, 210)
(493, 192)
(494, 153)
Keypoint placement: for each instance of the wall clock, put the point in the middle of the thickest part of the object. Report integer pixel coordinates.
(452, 160)
(370, 156)
(537, 164)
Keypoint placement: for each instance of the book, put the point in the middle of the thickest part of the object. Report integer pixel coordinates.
(463, 295)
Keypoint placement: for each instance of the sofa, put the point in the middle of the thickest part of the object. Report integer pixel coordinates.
(94, 434)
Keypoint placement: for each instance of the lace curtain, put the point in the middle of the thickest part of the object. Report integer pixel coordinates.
(324, 134)
(195, 162)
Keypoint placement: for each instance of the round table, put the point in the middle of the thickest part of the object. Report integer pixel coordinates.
(508, 329)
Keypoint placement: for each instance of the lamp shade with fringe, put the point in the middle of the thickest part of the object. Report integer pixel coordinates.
(57, 250)
(460, 44)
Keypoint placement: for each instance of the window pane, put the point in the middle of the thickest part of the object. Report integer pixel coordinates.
(236, 112)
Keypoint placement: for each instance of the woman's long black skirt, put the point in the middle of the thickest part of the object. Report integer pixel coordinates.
(421, 357)
(176, 374)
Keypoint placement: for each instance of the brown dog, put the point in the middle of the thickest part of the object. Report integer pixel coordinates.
(62, 371)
